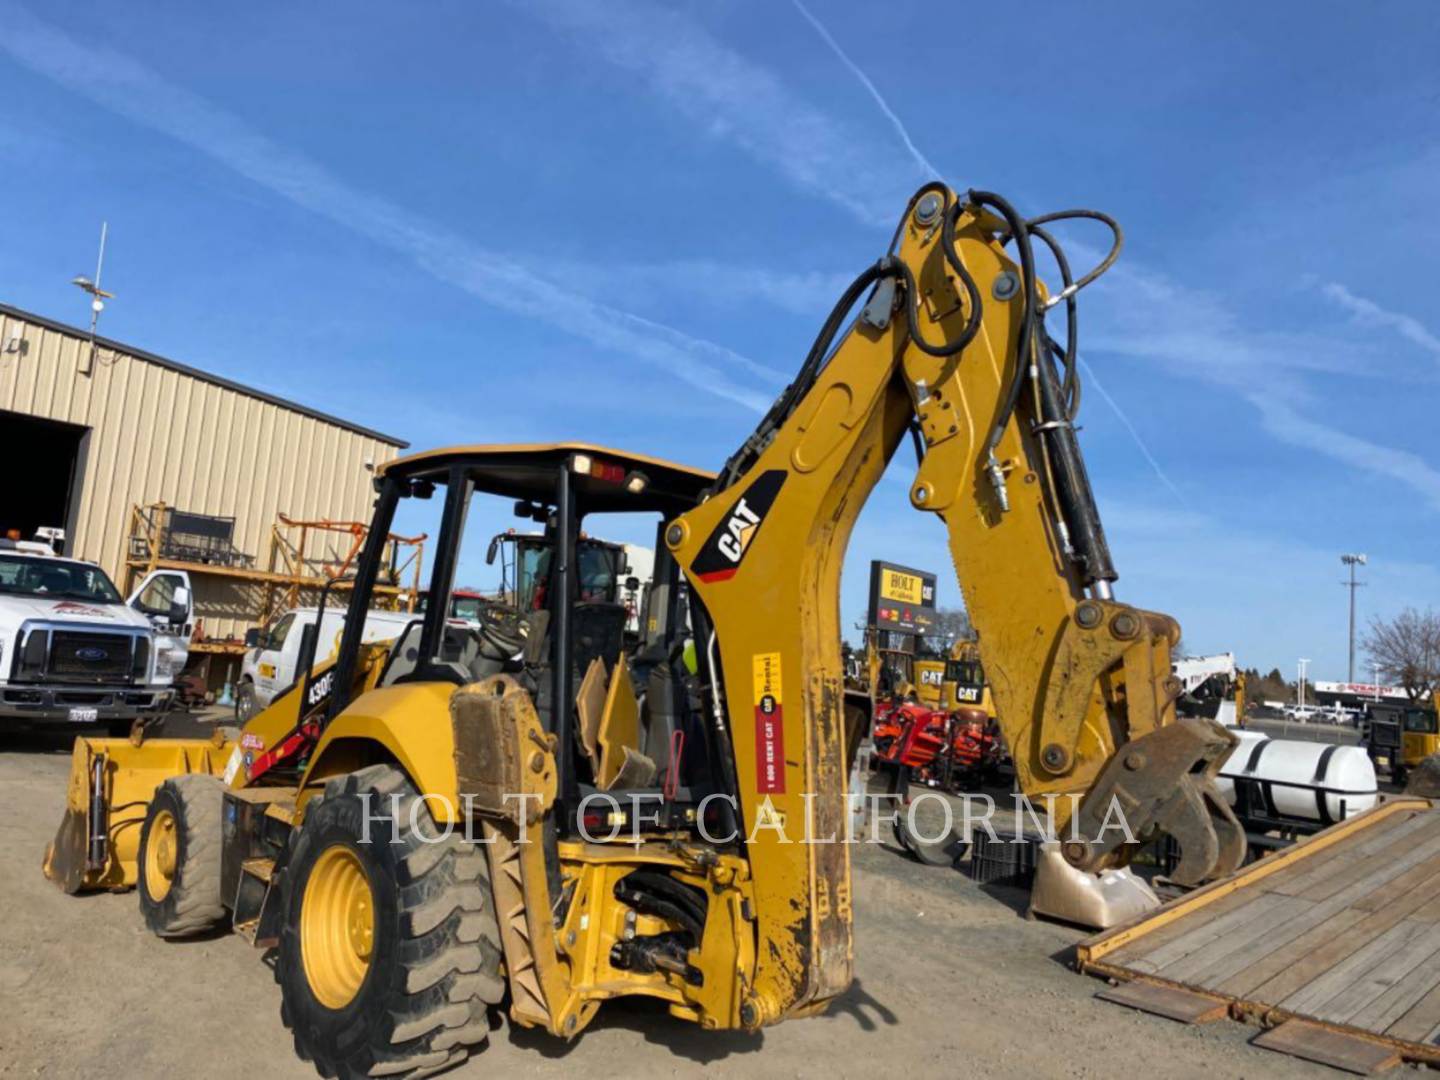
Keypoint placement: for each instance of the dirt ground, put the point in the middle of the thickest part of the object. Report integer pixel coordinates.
(950, 980)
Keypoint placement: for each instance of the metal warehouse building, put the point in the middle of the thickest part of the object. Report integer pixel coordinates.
(90, 432)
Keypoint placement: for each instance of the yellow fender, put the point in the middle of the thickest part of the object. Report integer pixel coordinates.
(408, 724)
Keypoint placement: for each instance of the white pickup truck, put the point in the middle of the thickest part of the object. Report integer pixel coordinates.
(73, 651)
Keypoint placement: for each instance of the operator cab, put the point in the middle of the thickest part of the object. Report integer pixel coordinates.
(558, 622)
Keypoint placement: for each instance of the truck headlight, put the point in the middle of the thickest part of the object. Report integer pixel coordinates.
(168, 664)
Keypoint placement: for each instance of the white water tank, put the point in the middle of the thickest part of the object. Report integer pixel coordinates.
(1290, 780)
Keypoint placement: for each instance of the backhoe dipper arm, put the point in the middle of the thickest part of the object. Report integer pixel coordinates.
(951, 347)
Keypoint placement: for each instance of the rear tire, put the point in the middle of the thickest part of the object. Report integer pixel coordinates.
(179, 879)
(411, 994)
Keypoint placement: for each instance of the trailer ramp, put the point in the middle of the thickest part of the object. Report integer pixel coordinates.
(1338, 935)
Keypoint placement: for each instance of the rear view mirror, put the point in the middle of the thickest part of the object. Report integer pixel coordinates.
(632, 584)
(492, 550)
(180, 605)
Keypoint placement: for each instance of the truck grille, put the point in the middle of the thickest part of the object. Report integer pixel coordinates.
(88, 657)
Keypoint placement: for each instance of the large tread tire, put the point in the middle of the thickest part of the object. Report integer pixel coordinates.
(193, 904)
(434, 970)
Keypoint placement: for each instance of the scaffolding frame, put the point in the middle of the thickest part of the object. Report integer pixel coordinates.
(292, 566)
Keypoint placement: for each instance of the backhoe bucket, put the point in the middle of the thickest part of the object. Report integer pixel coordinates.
(111, 784)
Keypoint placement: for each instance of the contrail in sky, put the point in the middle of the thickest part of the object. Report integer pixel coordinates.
(925, 164)
(932, 172)
(126, 87)
(1144, 450)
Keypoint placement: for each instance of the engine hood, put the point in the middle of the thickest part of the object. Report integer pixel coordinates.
(16, 610)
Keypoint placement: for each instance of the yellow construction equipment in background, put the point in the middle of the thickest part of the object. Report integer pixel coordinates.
(955, 682)
(417, 828)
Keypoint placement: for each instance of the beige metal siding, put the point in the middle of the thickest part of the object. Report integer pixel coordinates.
(158, 434)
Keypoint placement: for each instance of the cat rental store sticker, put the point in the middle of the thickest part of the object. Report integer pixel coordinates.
(769, 726)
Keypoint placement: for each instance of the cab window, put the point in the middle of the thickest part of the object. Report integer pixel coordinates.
(157, 596)
(466, 607)
(965, 672)
(599, 573)
(280, 631)
(1421, 722)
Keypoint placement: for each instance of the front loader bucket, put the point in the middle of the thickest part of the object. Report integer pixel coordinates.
(111, 784)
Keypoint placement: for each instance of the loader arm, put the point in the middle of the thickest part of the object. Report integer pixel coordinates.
(951, 347)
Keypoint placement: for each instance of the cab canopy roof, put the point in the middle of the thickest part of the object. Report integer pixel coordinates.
(604, 480)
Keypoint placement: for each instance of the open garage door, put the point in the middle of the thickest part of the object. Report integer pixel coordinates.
(43, 474)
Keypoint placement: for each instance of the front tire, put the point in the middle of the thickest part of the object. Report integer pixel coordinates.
(245, 704)
(179, 880)
(389, 956)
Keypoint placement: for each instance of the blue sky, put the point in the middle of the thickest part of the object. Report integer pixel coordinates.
(625, 221)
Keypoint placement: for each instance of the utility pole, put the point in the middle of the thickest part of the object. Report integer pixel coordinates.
(1352, 561)
(1300, 690)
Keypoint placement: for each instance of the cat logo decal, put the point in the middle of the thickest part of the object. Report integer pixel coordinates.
(721, 554)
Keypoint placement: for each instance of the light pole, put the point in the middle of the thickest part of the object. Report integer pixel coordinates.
(1352, 561)
(1376, 668)
(98, 296)
(1300, 690)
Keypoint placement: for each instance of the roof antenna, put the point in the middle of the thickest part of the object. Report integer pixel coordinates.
(98, 296)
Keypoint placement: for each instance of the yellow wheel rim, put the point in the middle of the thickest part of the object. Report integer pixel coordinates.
(160, 856)
(337, 926)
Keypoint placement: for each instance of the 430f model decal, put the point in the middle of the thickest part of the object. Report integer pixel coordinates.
(723, 550)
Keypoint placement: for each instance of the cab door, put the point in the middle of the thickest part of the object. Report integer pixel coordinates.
(1421, 738)
(274, 667)
(164, 597)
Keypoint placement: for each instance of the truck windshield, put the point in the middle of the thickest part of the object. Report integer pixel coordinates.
(55, 579)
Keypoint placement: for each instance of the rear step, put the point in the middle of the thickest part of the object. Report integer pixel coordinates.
(256, 917)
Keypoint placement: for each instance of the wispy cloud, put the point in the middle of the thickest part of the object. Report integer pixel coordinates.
(1289, 426)
(721, 284)
(1196, 335)
(1369, 313)
(729, 97)
(126, 87)
(934, 173)
(931, 172)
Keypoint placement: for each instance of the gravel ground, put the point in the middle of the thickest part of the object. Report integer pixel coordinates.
(950, 980)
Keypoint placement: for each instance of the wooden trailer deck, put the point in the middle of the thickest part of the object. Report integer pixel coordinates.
(1341, 931)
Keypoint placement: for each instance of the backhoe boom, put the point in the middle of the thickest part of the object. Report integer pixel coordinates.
(950, 346)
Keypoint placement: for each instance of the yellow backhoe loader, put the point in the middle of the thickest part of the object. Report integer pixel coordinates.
(534, 811)
(956, 682)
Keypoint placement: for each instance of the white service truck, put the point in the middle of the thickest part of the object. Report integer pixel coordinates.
(74, 651)
(272, 654)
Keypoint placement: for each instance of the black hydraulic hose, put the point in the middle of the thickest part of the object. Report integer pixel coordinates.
(1020, 234)
(952, 256)
(1071, 483)
(1072, 333)
(1117, 242)
(889, 266)
(805, 378)
(917, 439)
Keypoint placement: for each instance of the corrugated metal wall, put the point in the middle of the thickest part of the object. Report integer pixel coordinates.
(161, 434)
